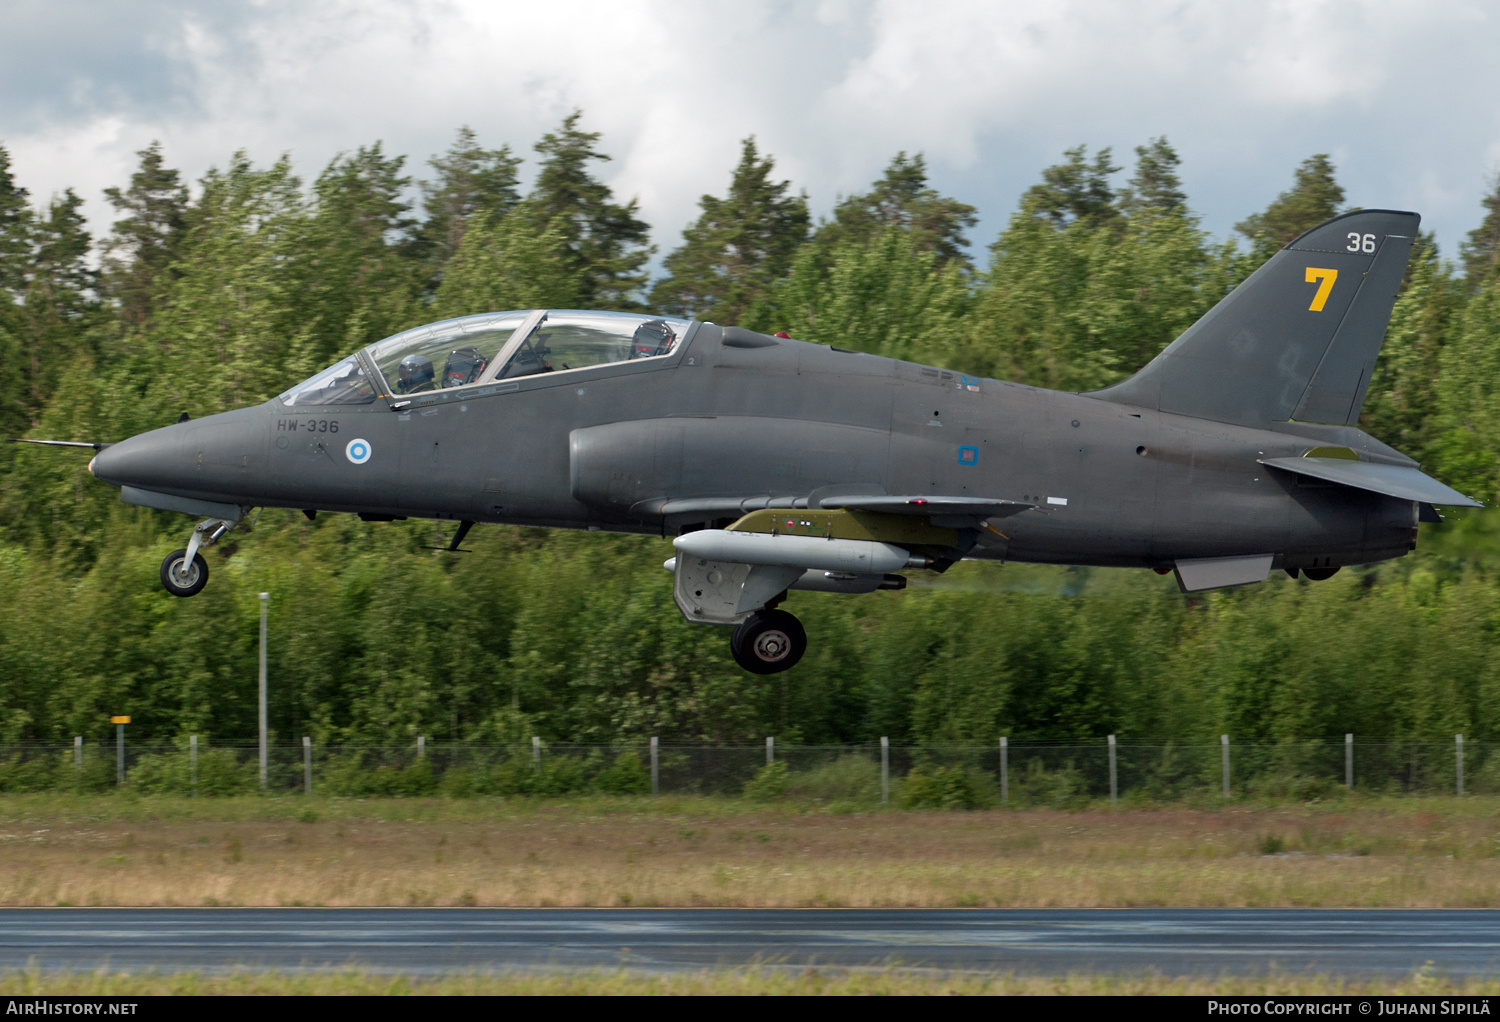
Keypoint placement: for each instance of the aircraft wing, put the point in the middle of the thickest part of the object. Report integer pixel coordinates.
(884, 503)
(975, 507)
(911, 504)
(1398, 481)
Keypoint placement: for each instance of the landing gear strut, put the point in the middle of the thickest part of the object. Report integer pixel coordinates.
(184, 572)
(768, 642)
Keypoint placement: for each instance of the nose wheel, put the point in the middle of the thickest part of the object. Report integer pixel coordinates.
(185, 572)
(182, 576)
(768, 642)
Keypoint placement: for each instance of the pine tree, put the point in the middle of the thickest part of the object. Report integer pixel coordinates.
(1075, 190)
(15, 244)
(604, 244)
(15, 232)
(58, 302)
(1482, 251)
(902, 198)
(737, 247)
(143, 243)
(1155, 184)
(470, 180)
(361, 277)
(1314, 197)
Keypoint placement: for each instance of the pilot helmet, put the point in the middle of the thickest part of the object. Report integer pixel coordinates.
(652, 337)
(464, 365)
(415, 371)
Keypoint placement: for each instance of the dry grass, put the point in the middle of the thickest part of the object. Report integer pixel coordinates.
(252, 851)
(729, 981)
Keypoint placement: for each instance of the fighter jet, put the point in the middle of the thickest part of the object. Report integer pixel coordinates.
(775, 464)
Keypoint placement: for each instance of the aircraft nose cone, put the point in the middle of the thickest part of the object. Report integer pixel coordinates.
(150, 459)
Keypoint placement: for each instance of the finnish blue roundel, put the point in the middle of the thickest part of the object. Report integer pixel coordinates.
(358, 451)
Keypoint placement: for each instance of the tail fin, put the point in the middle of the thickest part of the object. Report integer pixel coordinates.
(1297, 340)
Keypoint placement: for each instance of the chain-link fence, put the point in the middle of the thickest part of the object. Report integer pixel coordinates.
(957, 775)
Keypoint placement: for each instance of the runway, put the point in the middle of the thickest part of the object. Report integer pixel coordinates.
(1049, 942)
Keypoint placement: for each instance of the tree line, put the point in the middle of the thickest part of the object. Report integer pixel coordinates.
(206, 298)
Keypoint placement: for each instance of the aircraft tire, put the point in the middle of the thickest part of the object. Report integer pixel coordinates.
(768, 642)
(197, 575)
(1320, 574)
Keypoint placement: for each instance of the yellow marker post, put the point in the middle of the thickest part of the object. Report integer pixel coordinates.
(119, 723)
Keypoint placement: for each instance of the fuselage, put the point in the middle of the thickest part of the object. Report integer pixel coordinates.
(731, 421)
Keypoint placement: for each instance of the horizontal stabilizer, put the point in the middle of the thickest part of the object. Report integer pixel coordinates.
(1399, 481)
(976, 507)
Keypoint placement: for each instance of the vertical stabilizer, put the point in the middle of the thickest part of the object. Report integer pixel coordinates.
(1297, 340)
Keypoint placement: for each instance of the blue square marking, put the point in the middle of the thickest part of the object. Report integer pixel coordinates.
(968, 455)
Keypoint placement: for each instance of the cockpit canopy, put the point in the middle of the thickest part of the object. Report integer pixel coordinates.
(494, 346)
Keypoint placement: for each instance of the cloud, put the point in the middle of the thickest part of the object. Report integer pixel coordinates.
(991, 90)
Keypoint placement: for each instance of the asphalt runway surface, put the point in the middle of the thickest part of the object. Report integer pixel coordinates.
(1033, 941)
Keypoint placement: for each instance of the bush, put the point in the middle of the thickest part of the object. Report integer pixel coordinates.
(1063, 788)
(219, 773)
(626, 776)
(349, 776)
(942, 788)
(769, 782)
(847, 779)
(35, 774)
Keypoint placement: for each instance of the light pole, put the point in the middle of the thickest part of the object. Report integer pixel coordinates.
(265, 600)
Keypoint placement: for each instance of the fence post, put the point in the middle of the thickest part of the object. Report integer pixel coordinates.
(265, 599)
(1224, 745)
(770, 751)
(885, 771)
(1458, 741)
(421, 746)
(193, 762)
(1004, 769)
(536, 753)
(1349, 762)
(306, 765)
(655, 786)
(1114, 791)
(78, 752)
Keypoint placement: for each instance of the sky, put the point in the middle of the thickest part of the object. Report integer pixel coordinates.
(1402, 95)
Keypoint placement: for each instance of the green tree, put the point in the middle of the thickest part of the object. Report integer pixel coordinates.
(1314, 197)
(1402, 405)
(737, 247)
(1155, 184)
(886, 296)
(1076, 190)
(360, 280)
(144, 241)
(15, 243)
(58, 304)
(1481, 252)
(604, 244)
(471, 180)
(902, 198)
(519, 261)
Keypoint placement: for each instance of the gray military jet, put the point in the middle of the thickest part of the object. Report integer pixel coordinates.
(776, 465)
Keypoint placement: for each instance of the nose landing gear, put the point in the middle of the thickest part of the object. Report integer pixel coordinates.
(768, 642)
(185, 572)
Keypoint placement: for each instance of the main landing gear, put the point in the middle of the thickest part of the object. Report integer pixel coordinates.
(768, 642)
(185, 572)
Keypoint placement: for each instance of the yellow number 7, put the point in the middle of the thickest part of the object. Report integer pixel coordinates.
(1325, 285)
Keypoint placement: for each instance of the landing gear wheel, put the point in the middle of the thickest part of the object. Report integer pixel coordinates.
(768, 642)
(1321, 574)
(184, 579)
